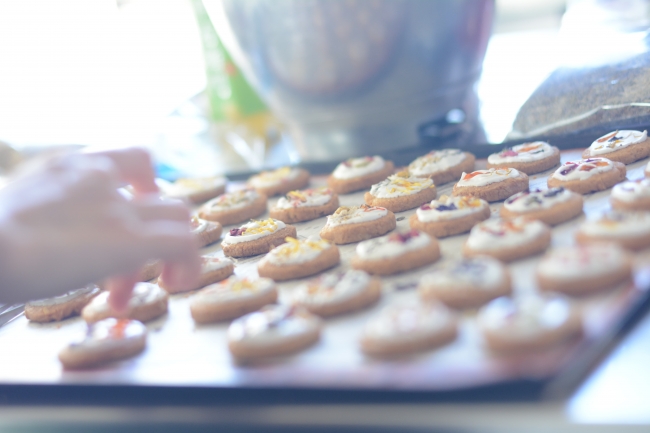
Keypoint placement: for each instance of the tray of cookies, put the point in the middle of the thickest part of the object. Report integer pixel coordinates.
(449, 274)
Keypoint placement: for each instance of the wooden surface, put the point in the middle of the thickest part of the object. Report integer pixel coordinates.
(182, 353)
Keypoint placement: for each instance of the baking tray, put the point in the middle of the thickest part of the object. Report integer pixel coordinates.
(189, 364)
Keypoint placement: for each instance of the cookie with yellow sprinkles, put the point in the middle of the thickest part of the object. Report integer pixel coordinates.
(298, 258)
(256, 237)
(400, 192)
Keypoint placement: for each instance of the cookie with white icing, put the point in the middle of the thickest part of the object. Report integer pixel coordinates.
(400, 192)
(305, 205)
(147, 302)
(466, 283)
(256, 237)
(507, 239)
(631, 195)
(449, 216)
(442, 166)
(624, 146)
(529, 158)
(584, 269)
(196, 190)
(279, 181)
(397, 252)
(630, 230)
(206, 232)
(234, 207)
(213, 270)
(533, 322)
(298, 258)
(337, 293)
(107, 340)
(552, 206)
(493, 184)
(359, 173)
(274, 330)
(357, 223)
(588, 175)
(403, 329)
(61, 307)
(232, 298)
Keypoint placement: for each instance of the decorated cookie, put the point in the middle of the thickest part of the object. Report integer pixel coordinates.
(630, 230)
(338, 293)
(623, 146)
(207, 232)
(256, 237)
(529, 158)
(466, 283)
(105, 341)
(630, 196)
(402, 329)
(396, 252)
(491, 185)
(584, 269)
(507, 240)
(60, 307)
(234, 207)
(552, 206)
(588, 175)
(305, 205)
(400, 192)
(298, 259)
(357, 223)
(442, 166)
(280, 181)
(449, 216)
(527, 323)
(232, 298)
(147, 302)
(213, 269)
(359, 173)
(272, 331)
(196, 190)
(150, 270)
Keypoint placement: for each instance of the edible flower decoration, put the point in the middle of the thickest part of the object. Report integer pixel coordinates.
(403, 237)
(446, 203)
(506, 226)
(234, 198)
(295, 247)
(503, 171)
(296, 198)
(530, 148)
(402, 182)
(279, 175)
(258, 227)
(537, 198)
(584, 165)
(358, 162)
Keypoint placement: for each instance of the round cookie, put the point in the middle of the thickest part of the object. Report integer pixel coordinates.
(305, 205)
(213, 270)
(107, 340)
(60, 307)
(231, 298)
(584, 269)
(403, 329)
(147, 302)
(507, 240)
(298, 259)
(624, 146)
(630, 230)
(357, 223)
(552, 206)
(528, 323)
(397, 252)
(280, 181)
(338, 293)
(588, 175)
(256, 237)
(206, 232)
(234, 207)
(442, 166)
(359, 173)
(631, 196)
(272, 331)
(529, 158)
(400, 192)
(466, 283)
(493, 184)
(449, 216)
(196, 190)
